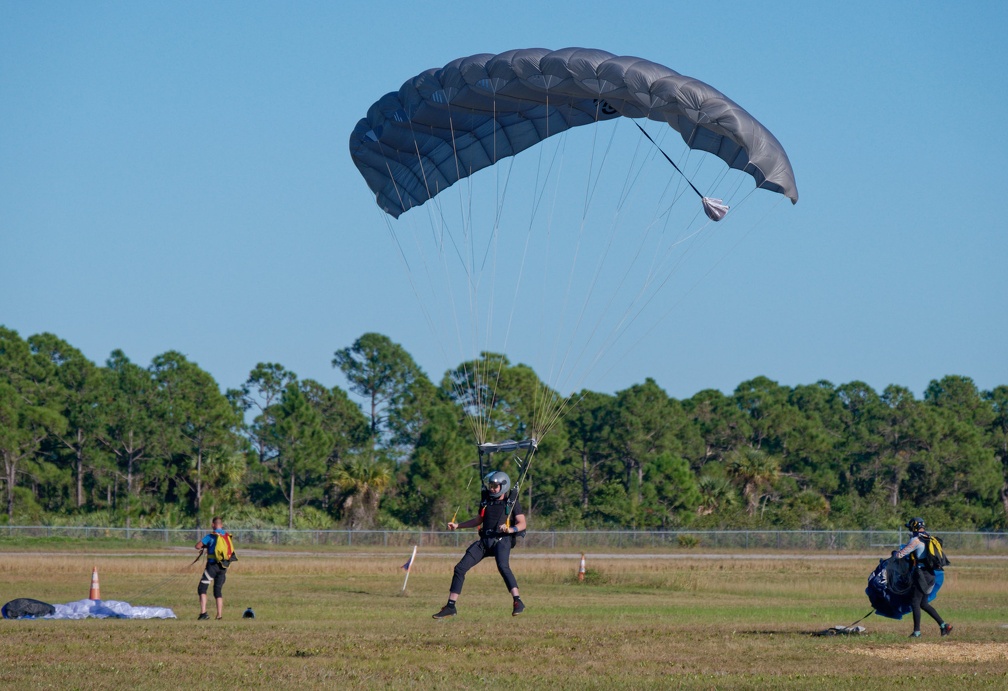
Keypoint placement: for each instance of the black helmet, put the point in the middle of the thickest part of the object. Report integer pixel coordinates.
(248, 614)
(500, 478)
(915, 525)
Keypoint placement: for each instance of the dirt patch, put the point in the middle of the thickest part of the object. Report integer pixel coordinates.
(948, 652)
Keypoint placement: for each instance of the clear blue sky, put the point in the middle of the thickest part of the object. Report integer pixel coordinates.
(176, 176)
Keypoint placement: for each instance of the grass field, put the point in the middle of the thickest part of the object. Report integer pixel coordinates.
(336, 619)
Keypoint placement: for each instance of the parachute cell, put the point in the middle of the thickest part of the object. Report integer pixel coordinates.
(445, 124)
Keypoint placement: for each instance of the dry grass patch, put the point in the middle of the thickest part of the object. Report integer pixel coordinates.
(946, 651)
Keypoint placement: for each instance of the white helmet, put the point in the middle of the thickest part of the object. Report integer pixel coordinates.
(499, 478)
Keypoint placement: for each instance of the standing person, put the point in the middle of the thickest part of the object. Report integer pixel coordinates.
(216, 566)
(496, 538)
(923, 578)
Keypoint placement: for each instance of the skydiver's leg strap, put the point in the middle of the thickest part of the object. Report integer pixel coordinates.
(473, 556)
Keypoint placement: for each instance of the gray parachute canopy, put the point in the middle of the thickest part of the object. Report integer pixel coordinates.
(445, 124)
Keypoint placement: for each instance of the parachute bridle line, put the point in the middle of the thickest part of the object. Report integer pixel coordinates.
(668, 158)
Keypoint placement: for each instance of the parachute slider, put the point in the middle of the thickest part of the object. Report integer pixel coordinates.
(714, 208)
(508, 445)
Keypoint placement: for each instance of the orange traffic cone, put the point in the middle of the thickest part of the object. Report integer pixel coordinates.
(581, 570)
(95, 590)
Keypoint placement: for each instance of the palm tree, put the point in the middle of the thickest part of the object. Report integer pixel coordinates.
(754, 470)
(359, 483)
(715, 494)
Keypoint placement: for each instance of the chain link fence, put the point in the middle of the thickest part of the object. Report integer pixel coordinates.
(874, 541)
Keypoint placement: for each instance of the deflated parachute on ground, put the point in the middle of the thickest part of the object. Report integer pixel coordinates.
(445, 124)
(26, 608)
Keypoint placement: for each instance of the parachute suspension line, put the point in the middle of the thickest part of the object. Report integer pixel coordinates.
(655, 283)
(653, 276)
(484, 386)
(632, 178)
(535, 203)
(484, 379)
(544, 397)
(550, 405)
(702, 278)
(541, 394)
(162, 584)
(546, 400)
(413, 286)
(590, 189)
(494, 242)
(478, 413)
(600, 265)
(562, 404)
(440, 229)
(466, 257)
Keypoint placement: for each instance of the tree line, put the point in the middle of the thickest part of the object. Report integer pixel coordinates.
(162, 445)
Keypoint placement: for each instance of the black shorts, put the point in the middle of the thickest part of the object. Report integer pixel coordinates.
(213, 572)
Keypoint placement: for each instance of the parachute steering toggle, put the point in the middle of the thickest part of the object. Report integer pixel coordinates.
(714, 208)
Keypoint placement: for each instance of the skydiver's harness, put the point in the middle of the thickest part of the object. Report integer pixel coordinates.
(933, 557)
(496, 512)
(488, 505)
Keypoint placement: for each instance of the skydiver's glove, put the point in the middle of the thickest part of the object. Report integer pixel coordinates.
(895, 552)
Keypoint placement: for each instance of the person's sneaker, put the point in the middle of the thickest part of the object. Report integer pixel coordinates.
(519, 607)
(446, 611)
(946, 629)
(915, 634)
(203, 615)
